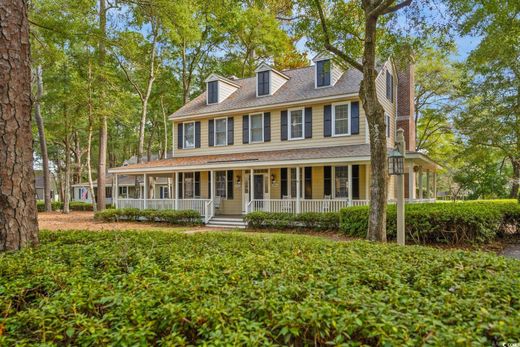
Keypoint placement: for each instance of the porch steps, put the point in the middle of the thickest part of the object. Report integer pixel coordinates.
(227, 222)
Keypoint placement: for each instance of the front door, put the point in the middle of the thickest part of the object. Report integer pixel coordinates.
(258, 187)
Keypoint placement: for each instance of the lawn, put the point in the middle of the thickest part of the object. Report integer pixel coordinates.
(168, 288)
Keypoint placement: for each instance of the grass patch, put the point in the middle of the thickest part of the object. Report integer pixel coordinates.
(138, 288)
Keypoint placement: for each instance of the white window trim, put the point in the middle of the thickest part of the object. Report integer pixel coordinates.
(289, 123)
(184, 135)
(207, 92)
(251, 128)
(349, 117)
(215, 131)
(349, 177)
(316, 74)
(270, 84)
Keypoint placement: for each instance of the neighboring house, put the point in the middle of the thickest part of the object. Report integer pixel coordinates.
(284, 141)
(40, 192)
(126, 186)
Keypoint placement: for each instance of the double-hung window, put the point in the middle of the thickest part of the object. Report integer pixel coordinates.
(341, 119)
(164, 192)
(256, 127)
(341, 181)
(189, 185)
(263, 83)
(220, 184)
(323, 73)
(189, 135)
(221, 132)
(212, 92)
(296, 124)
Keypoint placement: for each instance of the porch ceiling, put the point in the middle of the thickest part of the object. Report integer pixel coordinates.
(279, 158)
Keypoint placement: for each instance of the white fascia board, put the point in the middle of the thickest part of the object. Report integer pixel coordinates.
(243, 165)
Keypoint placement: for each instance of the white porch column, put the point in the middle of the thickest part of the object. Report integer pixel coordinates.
(251, 190)
(420, 183)
(428, 184)
(411, 183)
(435, 185)
(145, 183)
(115, 194)
(177, 190)
(298, 190)
(212, 185)
(350, 185)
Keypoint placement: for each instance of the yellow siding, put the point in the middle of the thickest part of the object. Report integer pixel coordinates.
(317, 140)
(389, 107)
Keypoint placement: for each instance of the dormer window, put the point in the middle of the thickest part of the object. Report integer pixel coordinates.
(323, 73)
(263, 83)
(212, 92)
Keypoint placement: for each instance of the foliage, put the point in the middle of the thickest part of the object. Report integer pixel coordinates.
(184, 217)
(56, 205)
(452, 223)
(147, 288)
(282, 220)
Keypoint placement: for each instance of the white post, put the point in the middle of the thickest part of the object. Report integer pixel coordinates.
(177, 190)
(420, 183)
(298, 190)
(251, 190)
(400, 143)
(212, 185)
(115, 195)
(435, 185)
(427, 184)
(411, 183)
(350, 185)
(145, 183)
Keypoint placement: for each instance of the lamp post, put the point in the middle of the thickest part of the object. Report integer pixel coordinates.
(396, 168)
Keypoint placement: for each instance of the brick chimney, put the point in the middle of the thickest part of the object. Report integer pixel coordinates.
(406, 105)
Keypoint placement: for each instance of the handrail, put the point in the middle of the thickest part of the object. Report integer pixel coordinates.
(208, 211)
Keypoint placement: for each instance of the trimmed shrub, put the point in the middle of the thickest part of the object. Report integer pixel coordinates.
(184, 217)
(281, 220)
(143, 288)
(56, 205)
(80, 206)
(452, 223)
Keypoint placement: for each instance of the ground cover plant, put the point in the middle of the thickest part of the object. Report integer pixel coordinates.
(138, 288)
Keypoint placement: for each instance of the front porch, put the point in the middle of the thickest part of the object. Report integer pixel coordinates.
(291, 189)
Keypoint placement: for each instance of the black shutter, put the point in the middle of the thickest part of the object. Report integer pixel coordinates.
(267, 126)
(211, 132)
(197, 134)
(327, 120)
(283, 182)
(308, 122)
(354, 117)
(179, 185)
(230, 131)
(284, 125)
(245, 129)
(327, 180)
(230, 185)
(308, 182)
(180, 135)
(209, 184)
(197, 184)
(355, 182)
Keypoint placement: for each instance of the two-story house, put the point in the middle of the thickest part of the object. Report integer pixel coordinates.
(283, 141)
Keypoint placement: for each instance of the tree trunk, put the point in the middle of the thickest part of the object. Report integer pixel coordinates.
(43, 142)
(377, 130)
(516, 177)
(66, 189)
(18, 220)
(89, 141)
(103, 131)
(165, 125)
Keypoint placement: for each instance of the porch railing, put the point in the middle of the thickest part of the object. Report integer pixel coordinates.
(305, 205)
(198, 205)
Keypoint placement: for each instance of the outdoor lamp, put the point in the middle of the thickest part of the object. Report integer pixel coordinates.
(272, 179)
(395, 162)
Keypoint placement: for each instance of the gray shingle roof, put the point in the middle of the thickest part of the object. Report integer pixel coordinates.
(299, 87)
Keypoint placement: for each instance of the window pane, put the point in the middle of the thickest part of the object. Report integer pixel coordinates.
(263, 83)
(257, 129)
(220, 131)
(188, 185)
(212, 92)
(189, 135)
(323, 73)
(341, 181)
(341, 119)
(296, 124)
(220, 183)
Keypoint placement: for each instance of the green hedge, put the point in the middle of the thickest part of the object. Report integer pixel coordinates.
(143, 288)
(453, 223)
(56, 205)
(185, 217)
(281, 220)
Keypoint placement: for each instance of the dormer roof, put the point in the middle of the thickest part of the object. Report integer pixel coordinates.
(267, 67)
(216, 77)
